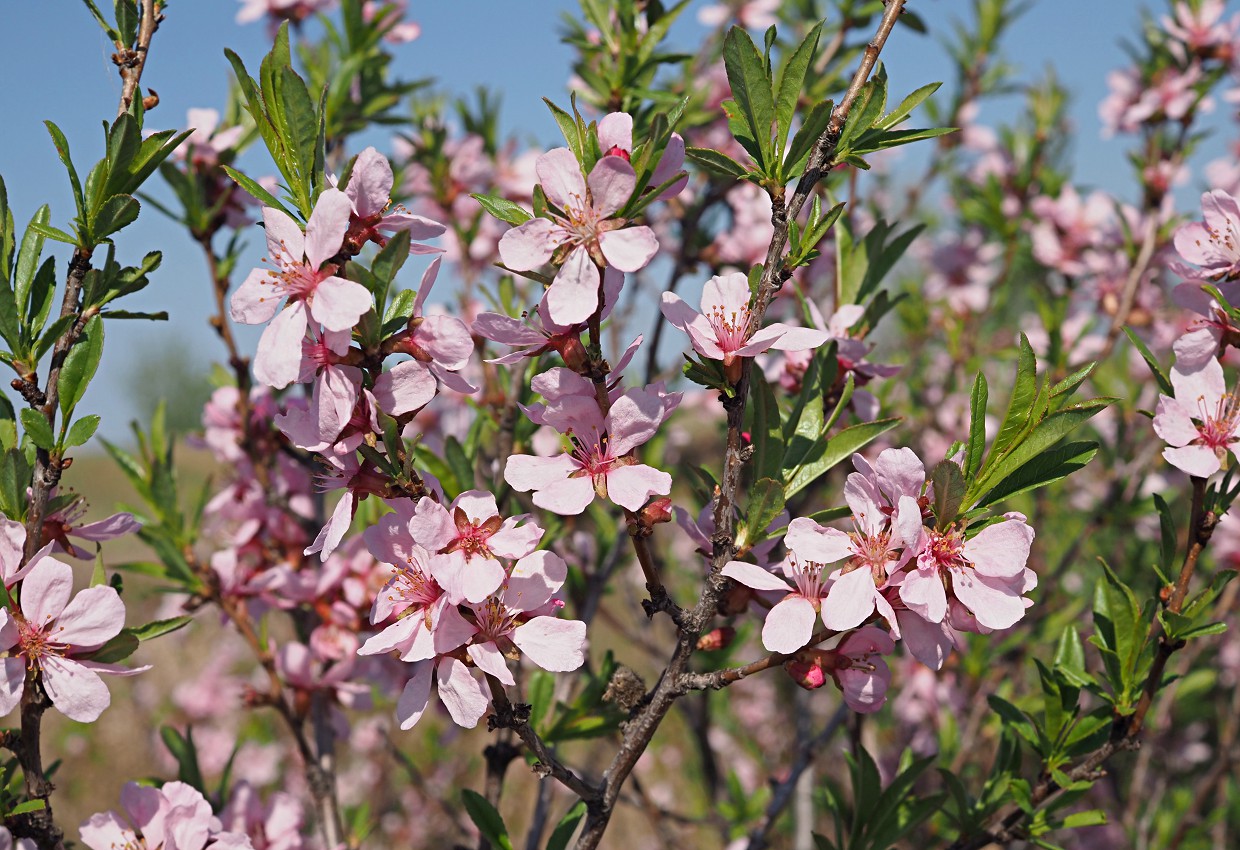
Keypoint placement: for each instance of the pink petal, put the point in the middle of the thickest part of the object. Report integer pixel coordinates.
(370, 185)
(1205, 386)
(611, 185)
(404, 388)
(413, 698)
(670, 163)
(930, 643)
(466, 698)
(452, 630)
(530, 245)
(850, 600)
(551, 643)
(573, 295)
(923, 593)
(751, 575)
(255, 301)
(561, 180)
(995, 604)
(335, 394)
(505, 329)
(529, 472)
(432, 525)
(491, 661)
(1000, 550)
(789, 625)
(728, 293)
(567, 498)
(1196, 348)
(446, 339)
(800, 339)
(515, 541)
(105, 831)
(630, 486)
(94, 617)
(535, 579)
(107, 529)
(77, 692)
(339, 303)
(277, 363)
(615, 130)
(333, 532)
(45, 591)
(629, 248)
(285, 241)
(326, 228)
(12, 683)
(812, 542)
(480, 578)
(1198, 461)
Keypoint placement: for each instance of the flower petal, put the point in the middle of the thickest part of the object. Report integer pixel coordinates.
(789, 625)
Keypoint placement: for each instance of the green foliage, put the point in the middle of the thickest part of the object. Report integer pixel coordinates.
(873, 817)
(487, 819)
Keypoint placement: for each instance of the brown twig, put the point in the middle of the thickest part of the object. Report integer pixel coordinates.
(517, 718)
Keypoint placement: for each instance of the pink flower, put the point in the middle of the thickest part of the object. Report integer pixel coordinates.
(1212, 244)
(465, 697)
(370, 193)
(1206, 337)
(62, 523)
(615, 138)
(281, 10)
(1201, 32)
(174, 817)
(52, 633)
(521, 616)
(721, 330)
(205, 144)
(750, 14)
(585, 237)
(539, 334)
(864, 675)
(472, 537)
(401, 32)
(1198, 447)
(986, 573)
(599, 462)
(274, 825)
(13, 552)
(790, 624)
(312, 291)
(426, 623)
(440, 345)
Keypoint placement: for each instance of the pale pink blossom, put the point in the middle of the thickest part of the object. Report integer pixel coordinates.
(986, 573)
(370, 193)
(57, 635)
(173, 817)
(295, 11)
(313, 291)
(750, 14)
(471, 537)
(1201, 423)
(599, 461)
(207, 141)
(790, 624)
(721, 331)
(1212, 244)
(585, 237)
(271, 825)
(865, 677)
(401, 31)
(1198, 30)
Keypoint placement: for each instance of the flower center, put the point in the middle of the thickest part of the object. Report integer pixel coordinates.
(1218, 427)
(495, 618)
(808, 577)
(36, 643)
(731, 326)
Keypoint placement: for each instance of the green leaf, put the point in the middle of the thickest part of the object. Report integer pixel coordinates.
(1050, 466)
(186, 755)
(792, 81)
(838, 448)
(976, 447)
(117, 649)
(907, 105)
(1070, 658)
(26, 807)
(949, 490)
(503, 209)
(812, 127)
(1093, 817)
(1023, 393)
(540, 691)
(55, 233)
(766, 432)
(82, 430)
(462, 467)
(716, 163)
(35, 425)
(256, 191)
(159, 628)
(1164, 383)
(563, 832)
(487, 819)
(80, 365)
(127, 21)
(766, 500)
(62, 150)
(115, 214)
(28, 260)
(751, 89)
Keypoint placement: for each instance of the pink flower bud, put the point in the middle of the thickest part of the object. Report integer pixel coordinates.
(716, 639)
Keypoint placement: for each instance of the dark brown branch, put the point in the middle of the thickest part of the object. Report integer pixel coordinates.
(517, 718)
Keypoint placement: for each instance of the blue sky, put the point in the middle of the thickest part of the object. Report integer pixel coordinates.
(56, 66)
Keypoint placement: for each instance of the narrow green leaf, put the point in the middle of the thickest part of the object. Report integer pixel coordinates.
(563, 832)
(751, 89)
(949, 490)
(35, 425)
(1164, 383)
(487, 819)
(80, 366)
(503, 209)
(791, 82)
(716, 163)
(976, 446)
(82, 430)
(766, 501)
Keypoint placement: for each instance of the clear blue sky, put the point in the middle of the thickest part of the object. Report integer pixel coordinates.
(56, 66)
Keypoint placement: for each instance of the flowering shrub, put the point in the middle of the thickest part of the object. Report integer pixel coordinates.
(426, 518)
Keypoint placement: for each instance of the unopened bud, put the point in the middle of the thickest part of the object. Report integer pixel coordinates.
(808, 674)
(660, 510)
(716, 639)
(616, 150)
(574, 354)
